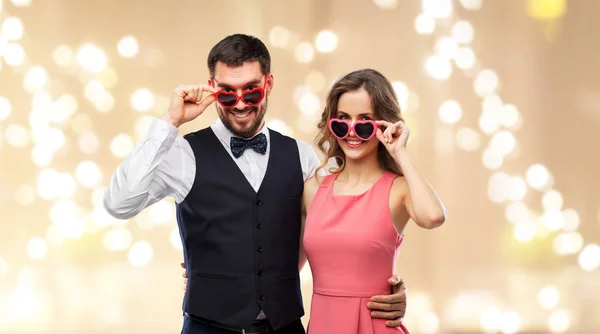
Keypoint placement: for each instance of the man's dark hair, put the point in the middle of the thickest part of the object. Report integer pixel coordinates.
(235, 50)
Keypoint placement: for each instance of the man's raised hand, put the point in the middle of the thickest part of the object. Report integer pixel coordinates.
(188, 102)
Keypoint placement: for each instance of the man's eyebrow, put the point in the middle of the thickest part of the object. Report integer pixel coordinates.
(250, 83)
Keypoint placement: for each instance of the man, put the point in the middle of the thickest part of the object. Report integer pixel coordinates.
(238, 187)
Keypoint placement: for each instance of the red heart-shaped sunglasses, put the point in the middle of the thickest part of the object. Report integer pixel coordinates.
(250, 97)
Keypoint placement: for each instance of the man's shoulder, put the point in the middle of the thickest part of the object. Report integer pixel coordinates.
(198, 134)
(304, 146)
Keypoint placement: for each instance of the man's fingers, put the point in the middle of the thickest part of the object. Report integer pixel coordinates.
(383, 306)
(184, 274)
(193, 93)
(395, 279)
(401, 293)
(199, 108)
(207, 101)
(389, 299)
(189, 93)
(394, 323)
(209, 89)
(386, 315)
(400, 289)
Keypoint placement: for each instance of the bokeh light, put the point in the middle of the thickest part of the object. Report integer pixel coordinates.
(37, 248)
(471, 4)
(589, 258)
(424, 24)
(304, 52)
(128, 47)
(326, 41)
(450, 112)
(559, 321)
(5, 108)
(140, 253)
(92, 58)
(386, 4)
(438, 67)
(279, 37)
(142, 100)
(11, 29)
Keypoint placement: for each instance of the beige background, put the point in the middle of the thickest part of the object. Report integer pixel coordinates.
(469, 275)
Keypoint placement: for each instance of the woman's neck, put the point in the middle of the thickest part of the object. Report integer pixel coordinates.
(361, 171)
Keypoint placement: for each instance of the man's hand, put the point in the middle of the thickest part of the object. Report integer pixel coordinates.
(187, 103)
(391, 307)
(185, 277)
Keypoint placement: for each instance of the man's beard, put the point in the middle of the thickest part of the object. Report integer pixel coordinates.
(251, 130)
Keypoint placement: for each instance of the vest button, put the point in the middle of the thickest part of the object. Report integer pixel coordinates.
(259, 226)
(262, 297)
(260, 273)
(260, 249)
(259, 202)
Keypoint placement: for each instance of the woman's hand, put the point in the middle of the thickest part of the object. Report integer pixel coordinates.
(394, 136)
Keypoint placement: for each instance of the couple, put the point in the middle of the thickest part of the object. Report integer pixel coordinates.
(253, 205)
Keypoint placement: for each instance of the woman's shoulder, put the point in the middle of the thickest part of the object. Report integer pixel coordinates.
(311, 184)
(399, 185)
(317, 181)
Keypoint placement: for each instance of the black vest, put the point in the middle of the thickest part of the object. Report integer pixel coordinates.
(240, 246)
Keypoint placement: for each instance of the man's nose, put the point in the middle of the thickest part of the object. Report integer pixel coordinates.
(240, 105)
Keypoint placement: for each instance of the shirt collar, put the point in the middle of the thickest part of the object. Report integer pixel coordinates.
(225, 135)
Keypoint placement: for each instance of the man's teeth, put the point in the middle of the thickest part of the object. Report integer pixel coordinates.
(354, 143)
(241, 114)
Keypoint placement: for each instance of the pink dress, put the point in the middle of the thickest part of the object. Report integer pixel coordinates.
(351, 245)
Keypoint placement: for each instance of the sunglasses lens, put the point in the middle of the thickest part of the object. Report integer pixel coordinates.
(339, 129)
(364, 130)
(253, 97)
(227, 99)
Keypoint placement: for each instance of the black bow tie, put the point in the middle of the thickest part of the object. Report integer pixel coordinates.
(257, 143)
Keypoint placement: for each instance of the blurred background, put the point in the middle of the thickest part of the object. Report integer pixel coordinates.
(502, 99)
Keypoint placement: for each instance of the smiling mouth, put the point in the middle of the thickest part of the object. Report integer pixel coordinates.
(241, 115)
(353, 143)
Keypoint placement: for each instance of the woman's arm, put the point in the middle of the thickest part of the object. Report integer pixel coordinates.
(411, 192)
(302, 254)
(417, 196)
(310, 189)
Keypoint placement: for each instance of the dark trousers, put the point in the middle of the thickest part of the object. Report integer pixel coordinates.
(191, 326)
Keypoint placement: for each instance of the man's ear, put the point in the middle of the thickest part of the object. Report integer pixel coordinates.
(270, 81)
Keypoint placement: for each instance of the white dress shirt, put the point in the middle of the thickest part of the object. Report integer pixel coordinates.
(163, 164)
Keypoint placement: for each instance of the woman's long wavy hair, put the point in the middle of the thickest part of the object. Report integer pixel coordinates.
(385, 106)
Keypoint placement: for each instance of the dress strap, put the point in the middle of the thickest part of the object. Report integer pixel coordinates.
(387, 179)
(327, 181)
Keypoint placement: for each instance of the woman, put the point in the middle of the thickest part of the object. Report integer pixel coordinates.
(355, 217)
